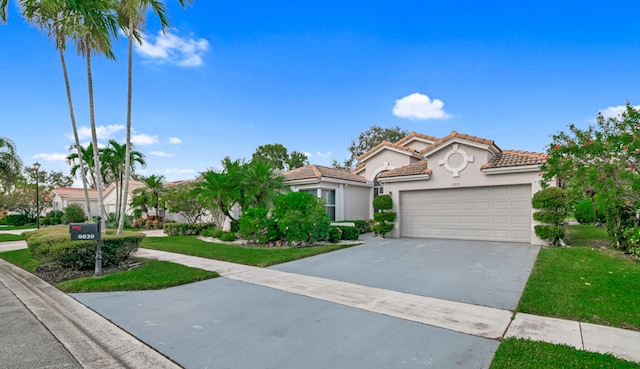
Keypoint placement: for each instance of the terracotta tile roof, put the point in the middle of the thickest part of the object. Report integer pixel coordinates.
(404, 140)
(414, 169)
(318, 171)
(461, 136)
(358, 168)
(515, 158)
(386, 143)
(69, 192)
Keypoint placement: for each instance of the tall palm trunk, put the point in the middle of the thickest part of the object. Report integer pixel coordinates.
(94, 139)
(127, 155)
(75, 132)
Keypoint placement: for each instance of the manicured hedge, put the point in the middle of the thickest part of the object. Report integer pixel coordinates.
(186, 229)
(54, 245)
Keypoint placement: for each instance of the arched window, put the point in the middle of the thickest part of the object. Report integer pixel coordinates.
(378, 189)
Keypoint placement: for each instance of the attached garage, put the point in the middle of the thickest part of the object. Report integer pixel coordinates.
(495, 213)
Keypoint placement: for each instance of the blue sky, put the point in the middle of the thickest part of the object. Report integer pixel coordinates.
(311, 75)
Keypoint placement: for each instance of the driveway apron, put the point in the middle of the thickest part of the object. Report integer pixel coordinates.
(475, 272)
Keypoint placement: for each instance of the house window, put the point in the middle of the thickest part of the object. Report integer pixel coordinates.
(329, 196)
(378, 189)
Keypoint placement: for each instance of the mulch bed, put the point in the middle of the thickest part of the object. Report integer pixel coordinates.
(53, 274)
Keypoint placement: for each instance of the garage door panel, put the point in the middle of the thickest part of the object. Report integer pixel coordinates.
(501, 213)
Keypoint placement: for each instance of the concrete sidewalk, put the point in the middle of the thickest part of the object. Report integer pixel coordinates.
(459, 317)
(71, 334)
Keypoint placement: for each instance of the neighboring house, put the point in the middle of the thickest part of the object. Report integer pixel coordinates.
(457, 187)
(109, 197)
(62, 197)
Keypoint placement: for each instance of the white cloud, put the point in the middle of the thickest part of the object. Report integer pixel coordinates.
(419, 106)
(175, 140)
(161, 154)
(614, 111)
(103, 132)
(179, 171)
(143, 139)
(170, 48)
(51, 157)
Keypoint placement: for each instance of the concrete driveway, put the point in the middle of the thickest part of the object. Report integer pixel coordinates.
(226, 323)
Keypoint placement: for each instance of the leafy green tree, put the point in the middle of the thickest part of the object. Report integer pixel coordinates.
(369, 139)
(601, 161)
(10, 164)
(301, 217)
(179, 199)
(150, 195)
(279, 157)
(81, 161)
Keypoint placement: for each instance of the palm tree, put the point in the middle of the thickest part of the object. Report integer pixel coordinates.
(132, 18)
(10, 164)
(114, 161)
(222, 190)
(260, 185)
(149, 195)
(59, 23)
(82, 160)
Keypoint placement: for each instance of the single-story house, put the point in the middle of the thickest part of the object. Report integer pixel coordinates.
(456, 187)
(61, 197)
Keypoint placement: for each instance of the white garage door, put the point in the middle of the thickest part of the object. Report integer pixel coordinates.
(499, 213)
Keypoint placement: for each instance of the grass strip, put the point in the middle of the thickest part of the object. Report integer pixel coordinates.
(152, 275)
(579, 283)
(527, 354)
(5, 237)
(261, 257)
(22, 258)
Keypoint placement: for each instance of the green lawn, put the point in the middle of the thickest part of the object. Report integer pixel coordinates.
(260, 257)
(11, 228)
(583, 283)
(21, 258)
(10, 237)
(151, 275)
(525, 354)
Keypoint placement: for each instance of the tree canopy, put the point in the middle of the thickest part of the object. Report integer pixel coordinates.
(279, 156)
(369, 139)
(600, 161)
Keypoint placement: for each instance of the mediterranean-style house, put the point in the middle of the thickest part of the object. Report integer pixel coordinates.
(456, 187)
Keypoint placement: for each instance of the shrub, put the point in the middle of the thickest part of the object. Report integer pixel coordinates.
(227, 236)
(620, 217)
(585, 213)
(363, 225)
(186, 229)
(553, 201)
(348, 232)
(53, 217)
(335, 234)
(546, 232)
(551, 217)
(211, 232)
(383, 202)
(53, 245)
(17, 219)
(632, 235)
(301, 217)
(257, 225)
(384, 217)
(73, 213)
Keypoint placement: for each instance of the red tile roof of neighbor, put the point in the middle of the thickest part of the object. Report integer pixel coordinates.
(515, 158)
(386, 143)
(317, 171)
(408, 137)
(419, 168)
(74, 192)
(461, 136)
